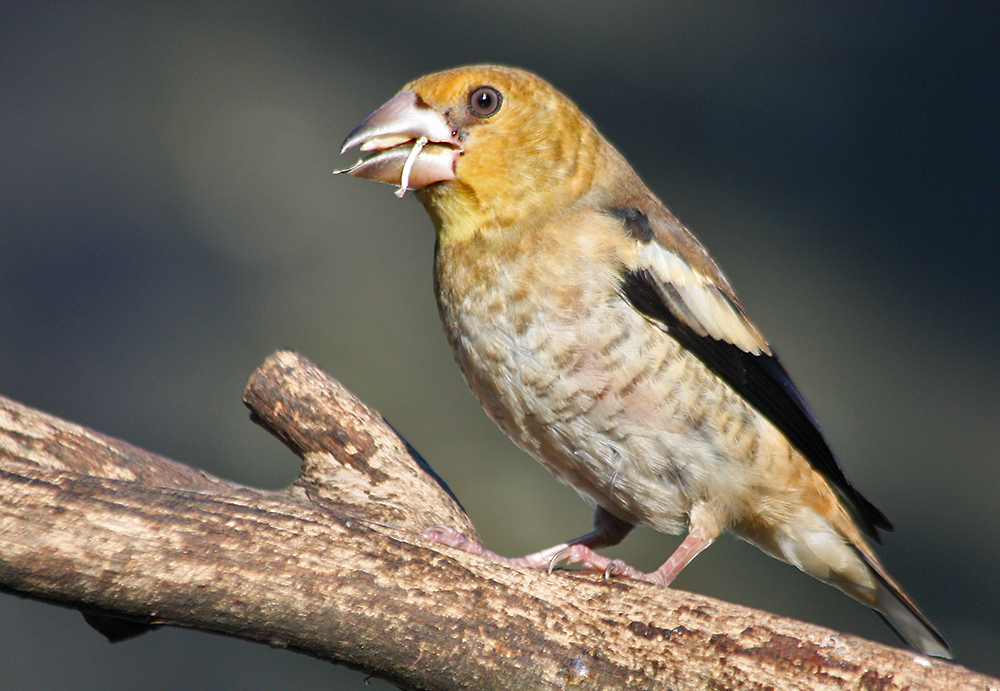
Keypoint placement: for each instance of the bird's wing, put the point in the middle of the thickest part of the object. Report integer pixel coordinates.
(677, 286)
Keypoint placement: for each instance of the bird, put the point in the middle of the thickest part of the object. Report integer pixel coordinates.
(602, 338)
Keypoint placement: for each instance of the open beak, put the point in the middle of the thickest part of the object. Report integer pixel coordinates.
(414, 145)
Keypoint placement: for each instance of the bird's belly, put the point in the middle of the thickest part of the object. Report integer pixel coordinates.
(612, 406)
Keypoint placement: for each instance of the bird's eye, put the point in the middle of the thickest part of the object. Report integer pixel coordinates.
(485, 101)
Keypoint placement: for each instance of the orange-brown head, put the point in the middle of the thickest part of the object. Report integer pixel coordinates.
(501, 145)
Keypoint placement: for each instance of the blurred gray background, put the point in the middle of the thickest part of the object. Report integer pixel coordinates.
(168, 219)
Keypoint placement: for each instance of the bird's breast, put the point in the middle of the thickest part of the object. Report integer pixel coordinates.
(605, 400)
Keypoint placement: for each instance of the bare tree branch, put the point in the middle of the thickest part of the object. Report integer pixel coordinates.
(334, 567)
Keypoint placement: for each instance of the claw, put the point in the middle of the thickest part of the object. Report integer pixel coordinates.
(556, 558)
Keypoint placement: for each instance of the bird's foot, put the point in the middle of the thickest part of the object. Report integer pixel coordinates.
(581, 553)
(589, 560)
(548, 559)
(446, 535)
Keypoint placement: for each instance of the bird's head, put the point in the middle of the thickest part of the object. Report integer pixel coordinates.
(480, 145)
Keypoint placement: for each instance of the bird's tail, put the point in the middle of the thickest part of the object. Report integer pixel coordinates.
(896, 607)
(840, 555)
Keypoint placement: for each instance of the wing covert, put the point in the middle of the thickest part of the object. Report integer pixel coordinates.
(703, 315)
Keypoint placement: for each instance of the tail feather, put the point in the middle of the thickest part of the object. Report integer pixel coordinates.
(903, 616)
(842, 557)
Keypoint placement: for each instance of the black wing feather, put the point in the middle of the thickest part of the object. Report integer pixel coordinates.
(763, 382)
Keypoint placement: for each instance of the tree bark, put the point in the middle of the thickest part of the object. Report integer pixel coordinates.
(334, 566)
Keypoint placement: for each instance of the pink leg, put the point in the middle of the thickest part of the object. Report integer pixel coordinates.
(608, 530)
(581, 551)
(692, 546)
(577, 551)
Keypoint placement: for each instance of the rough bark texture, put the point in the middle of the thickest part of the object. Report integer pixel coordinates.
(334, 567)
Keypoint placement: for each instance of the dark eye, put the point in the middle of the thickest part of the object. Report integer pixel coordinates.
(485, 101)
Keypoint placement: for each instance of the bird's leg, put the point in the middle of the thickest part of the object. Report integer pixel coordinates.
(608, 530)
(447, 535)
(579, 552)
(692, 546)
(703, 528)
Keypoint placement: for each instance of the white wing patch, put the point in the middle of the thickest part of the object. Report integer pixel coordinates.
(697, 301)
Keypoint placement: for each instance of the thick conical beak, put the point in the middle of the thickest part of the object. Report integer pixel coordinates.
(414, 145)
